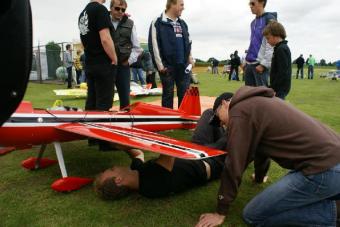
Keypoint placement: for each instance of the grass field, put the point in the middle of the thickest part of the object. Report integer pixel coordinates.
(27, 200)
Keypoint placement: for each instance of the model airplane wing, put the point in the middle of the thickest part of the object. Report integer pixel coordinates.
(138, 90)
(141, 139)
(71, 92)
(77, 92)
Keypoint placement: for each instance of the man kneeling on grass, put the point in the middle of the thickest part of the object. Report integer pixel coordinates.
(165, 175)
(260, 125)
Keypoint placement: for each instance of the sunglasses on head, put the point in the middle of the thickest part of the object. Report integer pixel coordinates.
(120, 9)
(252, 3)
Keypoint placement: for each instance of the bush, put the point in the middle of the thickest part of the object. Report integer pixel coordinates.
(53, 58)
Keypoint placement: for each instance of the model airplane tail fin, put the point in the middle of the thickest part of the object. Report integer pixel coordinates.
(191, 103)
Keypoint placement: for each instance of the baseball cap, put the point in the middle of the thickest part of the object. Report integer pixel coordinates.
(215, 120)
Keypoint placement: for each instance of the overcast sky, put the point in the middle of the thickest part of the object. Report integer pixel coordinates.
(217, 27)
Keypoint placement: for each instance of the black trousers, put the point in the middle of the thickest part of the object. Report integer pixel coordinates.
(69, 77)
(123, 85)
(100, 83)
(174, 75)
(299, 71)
(78, 72)
(151, 79)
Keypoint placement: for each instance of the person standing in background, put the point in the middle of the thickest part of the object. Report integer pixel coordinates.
(300, 62)
(235, 64)
(170, 47)
(127, 48)
(149, 68)
(311, 63)
(281, 68)
(78, 66)
(215, 64)
(95, 32)
(68, 63)
(137, 72)
(259, 56)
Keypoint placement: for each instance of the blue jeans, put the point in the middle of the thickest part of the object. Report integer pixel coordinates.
(138, 75)
(310, 72)
(255, 79)
(296, 200)
(174, 75)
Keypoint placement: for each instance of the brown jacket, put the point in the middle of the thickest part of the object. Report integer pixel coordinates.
(265, 126)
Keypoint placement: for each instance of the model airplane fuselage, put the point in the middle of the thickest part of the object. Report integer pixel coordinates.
(134, 128)
(28, 126)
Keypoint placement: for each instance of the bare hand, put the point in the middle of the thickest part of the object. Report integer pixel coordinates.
(265, 179)
(191, 61)
(163, 71)
(259, 69)
(114, 61)
(210, 220)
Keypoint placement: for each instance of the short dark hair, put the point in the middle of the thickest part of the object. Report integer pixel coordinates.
(109, 190)
(68, 46)
(264, 2)
(215, 120)
(225, 96)
(274, 28)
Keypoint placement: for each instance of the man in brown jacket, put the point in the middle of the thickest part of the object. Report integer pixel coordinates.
(261, 125)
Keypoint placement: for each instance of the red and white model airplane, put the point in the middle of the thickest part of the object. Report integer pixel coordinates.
(134, 128)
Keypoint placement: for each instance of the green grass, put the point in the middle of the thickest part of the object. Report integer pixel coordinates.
(27, 200)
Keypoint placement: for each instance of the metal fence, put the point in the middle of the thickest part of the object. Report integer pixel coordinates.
(47, 62)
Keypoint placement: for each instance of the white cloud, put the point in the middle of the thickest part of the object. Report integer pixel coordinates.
(217, 27)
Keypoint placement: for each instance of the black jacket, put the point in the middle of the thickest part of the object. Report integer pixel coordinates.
(162, 42)
(235, 62)
(300, 61)
(281, 70)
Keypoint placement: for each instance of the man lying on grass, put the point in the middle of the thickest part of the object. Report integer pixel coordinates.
(165, 175)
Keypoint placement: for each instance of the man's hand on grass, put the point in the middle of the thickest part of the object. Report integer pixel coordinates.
(210, 220)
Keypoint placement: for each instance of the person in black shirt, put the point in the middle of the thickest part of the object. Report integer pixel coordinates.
(165, 175)
(300, 61)
(235, 63)
(281, 69)
(101, 59)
